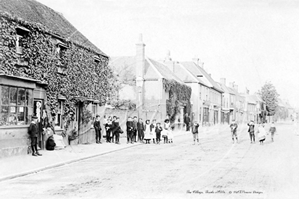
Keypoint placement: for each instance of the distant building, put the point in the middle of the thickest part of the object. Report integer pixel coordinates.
(211, 94)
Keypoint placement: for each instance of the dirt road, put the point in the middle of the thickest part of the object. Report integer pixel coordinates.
(214, 169)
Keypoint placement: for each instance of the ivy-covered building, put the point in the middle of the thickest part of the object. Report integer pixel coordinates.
(47, 69)
(157, 92)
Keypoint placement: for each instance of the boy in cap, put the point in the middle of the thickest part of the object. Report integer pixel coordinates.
(33, 132)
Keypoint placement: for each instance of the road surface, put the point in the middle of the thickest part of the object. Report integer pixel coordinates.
(216, 168)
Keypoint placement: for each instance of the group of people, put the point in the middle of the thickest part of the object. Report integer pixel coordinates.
(52, 140)
(260, 132)
(136, 130)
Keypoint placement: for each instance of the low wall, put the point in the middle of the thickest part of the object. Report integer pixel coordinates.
(13, 141)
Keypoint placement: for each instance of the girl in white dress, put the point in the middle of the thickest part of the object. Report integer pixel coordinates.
(165, 133)
(148, 136)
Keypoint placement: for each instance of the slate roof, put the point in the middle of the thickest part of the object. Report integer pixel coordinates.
(123, 64)
(164, 71)
(197, 70)
(35, 12)
(191, 76)
(227, 89)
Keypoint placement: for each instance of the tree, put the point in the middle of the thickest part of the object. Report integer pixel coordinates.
(269, 95)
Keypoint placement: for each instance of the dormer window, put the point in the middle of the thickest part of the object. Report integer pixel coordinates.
(21, 34)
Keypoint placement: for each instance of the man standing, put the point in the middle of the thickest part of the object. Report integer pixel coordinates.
(116, 130)
(251, 131)
(187, 121)
(104, 125)
(33, 133)
(134, 128)
(129, 129)
(233, 126)
(97, 127)
(141, 129)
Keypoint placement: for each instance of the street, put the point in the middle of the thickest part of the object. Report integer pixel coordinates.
(216, 168)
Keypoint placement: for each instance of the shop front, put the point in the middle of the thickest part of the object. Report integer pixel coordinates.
(20, 99)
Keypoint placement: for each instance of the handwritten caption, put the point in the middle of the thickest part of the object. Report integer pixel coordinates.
(223, 192)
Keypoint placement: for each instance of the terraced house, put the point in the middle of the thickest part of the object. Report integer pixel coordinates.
(50, 70)
(152, 86)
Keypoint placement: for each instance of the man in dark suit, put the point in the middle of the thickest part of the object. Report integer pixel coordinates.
(33, 132)
(134, 128)
(187, 121)
(129, 129)
(141, 129)
(97, 127)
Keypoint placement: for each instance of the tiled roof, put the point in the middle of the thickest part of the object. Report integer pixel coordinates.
(35, 12)
(197, 70)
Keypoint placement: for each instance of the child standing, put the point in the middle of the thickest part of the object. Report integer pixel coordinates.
(158, 130)
(195, 132)
(272, 130)
(233, 126)
(147, 137)
(165, 131)
(152, 130)
(251, 131)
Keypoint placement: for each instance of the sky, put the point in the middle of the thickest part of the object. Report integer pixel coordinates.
(248, 42)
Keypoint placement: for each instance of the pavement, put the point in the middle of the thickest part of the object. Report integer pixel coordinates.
(17, 166)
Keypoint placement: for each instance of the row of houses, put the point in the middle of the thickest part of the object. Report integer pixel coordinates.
(212, 102)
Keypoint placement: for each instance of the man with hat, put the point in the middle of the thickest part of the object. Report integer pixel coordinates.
(97, 127)
(33, 133)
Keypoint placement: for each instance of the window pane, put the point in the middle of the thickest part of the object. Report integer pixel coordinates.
(21, 96)
(21, 114)
(3, 115)
(13, 96)
(5, 95)
(28, 97)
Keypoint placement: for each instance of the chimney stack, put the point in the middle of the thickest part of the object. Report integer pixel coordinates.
(140, 67)
(231, 84)
(168, 61)
(196, 60)
(223, 81)
(236, 87)
(140, 59)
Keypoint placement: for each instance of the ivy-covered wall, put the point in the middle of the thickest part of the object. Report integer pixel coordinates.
(179, 94)
(82, 78)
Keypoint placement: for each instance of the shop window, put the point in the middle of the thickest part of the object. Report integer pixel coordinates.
(14, 104)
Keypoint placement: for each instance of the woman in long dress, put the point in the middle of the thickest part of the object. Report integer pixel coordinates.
(147, 136)
(261, 133)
